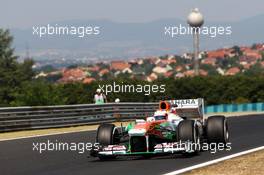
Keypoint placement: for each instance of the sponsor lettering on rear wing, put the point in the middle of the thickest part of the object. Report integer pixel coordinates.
(189, 108)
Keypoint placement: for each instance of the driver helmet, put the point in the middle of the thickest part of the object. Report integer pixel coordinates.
(160, 115)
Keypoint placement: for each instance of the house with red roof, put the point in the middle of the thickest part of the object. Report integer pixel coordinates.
(203, 72)
(178, 68)
(217, 54)
(159, 70)
(246, 66)
(72, 75)
(262, 64)
(168, 74)
(119, 65)
(179, 75)
(189, 73)
(260, 47)
(88, 80)
(103, 72)
(232, 71)
(209, 61)
(93, 68)
(152, 77)
(253, 54)
(243, 48)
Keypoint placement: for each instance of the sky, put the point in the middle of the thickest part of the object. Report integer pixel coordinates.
(27, 13)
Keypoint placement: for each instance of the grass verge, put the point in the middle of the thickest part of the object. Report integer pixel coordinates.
(32, 133)
(252, 163)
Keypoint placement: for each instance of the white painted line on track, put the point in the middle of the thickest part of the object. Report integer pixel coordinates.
(214, 161)
(43, 135)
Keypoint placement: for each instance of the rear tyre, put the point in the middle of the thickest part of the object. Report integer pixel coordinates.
(217, 129)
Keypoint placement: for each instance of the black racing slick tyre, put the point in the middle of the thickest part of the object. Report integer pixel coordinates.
(217, 129)
(187, 131)
(107, 134)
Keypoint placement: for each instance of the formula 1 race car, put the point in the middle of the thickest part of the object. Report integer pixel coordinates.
(176, 127)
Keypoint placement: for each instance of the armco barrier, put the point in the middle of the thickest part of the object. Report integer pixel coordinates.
(22, 118)
(247, 107)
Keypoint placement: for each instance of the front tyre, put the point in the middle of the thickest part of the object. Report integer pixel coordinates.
(107, 134)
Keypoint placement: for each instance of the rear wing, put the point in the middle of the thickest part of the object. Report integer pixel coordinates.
(189, 108)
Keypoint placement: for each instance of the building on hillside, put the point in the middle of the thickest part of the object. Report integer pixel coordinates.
(127, 70)
(220, 71)
(203, 72)
(232, 71)
(41, 74)
(93, 68)
(260, 47)
(88, 80)
(152, 77)
(178, 68)
(159, 70)
(253, 54)
(209, 61)
(72, 75)
(262, 64)
(179, 75)
(187, 56)
(119, 65)
(221, 53)
(246, 66)
(168, 74)
(169, 68)
(139, 70)
(103, 72)
(189, 73)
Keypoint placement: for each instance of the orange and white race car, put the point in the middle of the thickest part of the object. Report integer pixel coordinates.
(178, 126)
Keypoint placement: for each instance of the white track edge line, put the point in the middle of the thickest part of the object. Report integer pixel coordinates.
(214, 161)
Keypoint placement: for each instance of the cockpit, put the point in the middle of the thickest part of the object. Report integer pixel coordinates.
(160, 117)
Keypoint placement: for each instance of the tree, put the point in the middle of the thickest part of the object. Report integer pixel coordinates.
(254, 46)
(255, 70)
(12, 73)
(35, 93)
(8, 67)
(237, 50)
(210, 69)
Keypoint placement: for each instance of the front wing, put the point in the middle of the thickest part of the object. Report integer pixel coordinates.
(159, 149)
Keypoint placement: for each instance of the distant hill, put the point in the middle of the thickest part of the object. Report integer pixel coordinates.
(122, 40)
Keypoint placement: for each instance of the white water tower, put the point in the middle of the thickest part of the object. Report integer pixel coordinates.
(195, 20)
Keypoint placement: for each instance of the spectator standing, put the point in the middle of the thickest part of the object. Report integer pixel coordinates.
(99, 97)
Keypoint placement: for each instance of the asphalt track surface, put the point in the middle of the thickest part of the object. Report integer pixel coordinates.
(17, 157)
